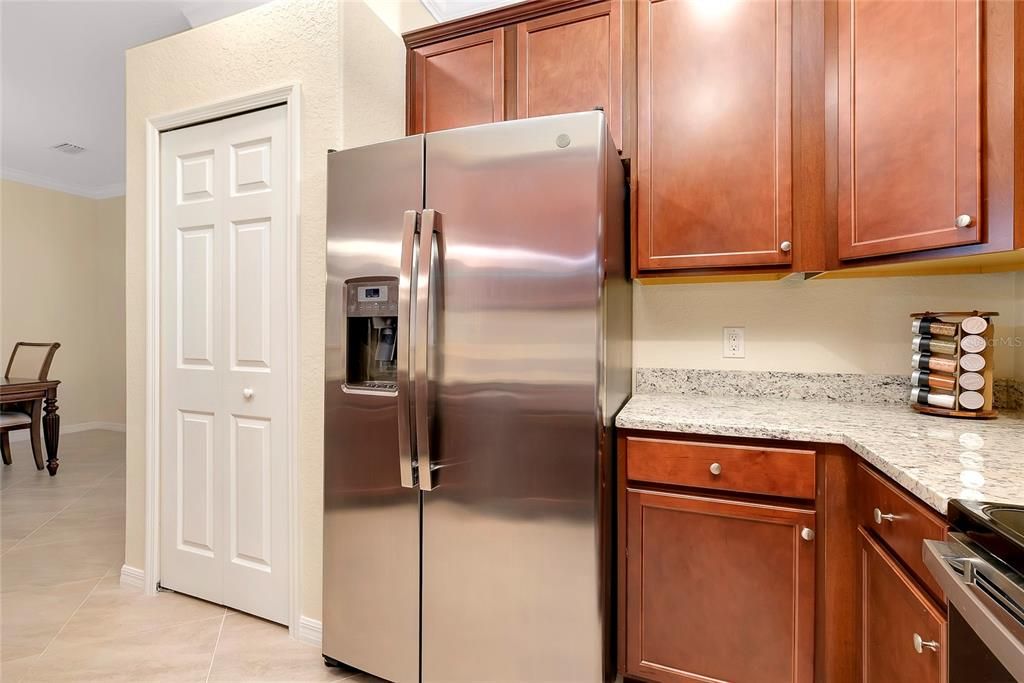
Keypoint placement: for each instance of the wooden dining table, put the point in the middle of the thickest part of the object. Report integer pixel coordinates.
(20, 389)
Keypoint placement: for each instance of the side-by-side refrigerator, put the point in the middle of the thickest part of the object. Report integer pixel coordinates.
(477, 350)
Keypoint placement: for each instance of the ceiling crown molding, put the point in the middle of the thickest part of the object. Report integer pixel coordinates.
(92, 192)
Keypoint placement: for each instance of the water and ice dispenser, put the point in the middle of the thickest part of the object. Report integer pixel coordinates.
(371, 311)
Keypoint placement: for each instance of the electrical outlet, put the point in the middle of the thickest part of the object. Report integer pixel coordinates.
(733, 342)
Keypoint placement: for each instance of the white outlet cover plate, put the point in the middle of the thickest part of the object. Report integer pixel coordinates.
(733, 342)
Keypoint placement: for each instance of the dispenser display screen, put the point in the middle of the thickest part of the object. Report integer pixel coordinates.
(372, 294)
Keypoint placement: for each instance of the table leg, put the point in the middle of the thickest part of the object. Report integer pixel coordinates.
(51, 431)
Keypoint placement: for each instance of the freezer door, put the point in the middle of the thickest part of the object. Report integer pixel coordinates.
(512, 580)
(371, 506)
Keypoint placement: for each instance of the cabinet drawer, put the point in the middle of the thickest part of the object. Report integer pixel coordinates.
(903, 633)
(901, 522)
(748, 469)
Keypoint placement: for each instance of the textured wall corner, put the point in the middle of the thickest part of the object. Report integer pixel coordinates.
(280, 43)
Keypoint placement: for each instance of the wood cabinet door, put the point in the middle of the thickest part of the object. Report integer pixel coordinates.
(893, 611)
(718, 590)
(572, 61)
(458, 82)
(909, 132)
(714, 133)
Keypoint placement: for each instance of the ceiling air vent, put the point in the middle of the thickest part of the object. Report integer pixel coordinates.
(69, 148)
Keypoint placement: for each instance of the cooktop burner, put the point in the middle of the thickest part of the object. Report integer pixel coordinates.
(997, 527)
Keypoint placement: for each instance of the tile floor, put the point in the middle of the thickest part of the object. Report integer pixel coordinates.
(63, 614)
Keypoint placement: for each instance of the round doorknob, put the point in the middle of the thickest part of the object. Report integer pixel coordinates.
(786, 246)
(248, 393)
(807, 534)
(715, 468)
(920, 644)
(964, 221)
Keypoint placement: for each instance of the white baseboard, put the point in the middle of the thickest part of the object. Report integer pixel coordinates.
(130, 576)
(23, 434)
(311, 631)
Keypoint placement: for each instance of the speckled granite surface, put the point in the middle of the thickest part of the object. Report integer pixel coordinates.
(933, 457)
(814, 386)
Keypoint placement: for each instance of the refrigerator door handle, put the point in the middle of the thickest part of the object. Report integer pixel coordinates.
(430, 248)
(406, 435)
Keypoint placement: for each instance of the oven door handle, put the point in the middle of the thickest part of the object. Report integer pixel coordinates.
(958, 570)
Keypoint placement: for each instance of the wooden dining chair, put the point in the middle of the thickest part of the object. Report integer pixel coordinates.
(29, 360)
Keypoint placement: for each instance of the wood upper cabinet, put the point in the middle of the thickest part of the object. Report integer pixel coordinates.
(909, 130)
(458, 82)
(903, 634)
(715, 133)
(718, 590)
(572, 61)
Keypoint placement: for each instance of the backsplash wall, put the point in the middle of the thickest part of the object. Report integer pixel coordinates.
(837, 326)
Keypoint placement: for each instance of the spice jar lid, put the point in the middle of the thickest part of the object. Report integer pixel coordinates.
(974, 325)
(972, 343)
(971, 381)
(972, 362)
(972, 400)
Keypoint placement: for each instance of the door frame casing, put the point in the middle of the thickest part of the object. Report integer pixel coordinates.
(289, 96)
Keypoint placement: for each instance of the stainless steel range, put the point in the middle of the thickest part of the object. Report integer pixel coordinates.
(478, 348)
(981, 571)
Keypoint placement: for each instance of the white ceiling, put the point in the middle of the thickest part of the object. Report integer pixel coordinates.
(445, 10)
(62, 80)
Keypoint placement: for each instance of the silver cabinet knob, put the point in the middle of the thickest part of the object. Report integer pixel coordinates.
(248, 393)
(715, 468)
(964, 221)
(807, 534)
(883, 517)
(786, 246)
(920, 644)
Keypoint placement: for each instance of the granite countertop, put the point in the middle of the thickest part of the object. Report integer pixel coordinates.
(935, 458)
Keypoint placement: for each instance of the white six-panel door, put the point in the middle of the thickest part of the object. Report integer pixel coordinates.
(223, 384)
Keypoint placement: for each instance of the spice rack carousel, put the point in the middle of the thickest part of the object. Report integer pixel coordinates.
(952, 363)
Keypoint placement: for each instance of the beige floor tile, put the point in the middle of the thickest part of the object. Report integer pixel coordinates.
(29, 619)
(178, 653)
(45, 565)
(97, 505)
(15, 526)
(251, 649)
(112, 613)
(72, 528)
(14, 670)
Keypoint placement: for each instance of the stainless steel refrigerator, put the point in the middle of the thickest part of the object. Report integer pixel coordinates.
(477, 349)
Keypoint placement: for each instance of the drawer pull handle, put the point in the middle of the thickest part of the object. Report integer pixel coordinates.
(715, 468)
(920, 644)
(807, 534)
(883, 517)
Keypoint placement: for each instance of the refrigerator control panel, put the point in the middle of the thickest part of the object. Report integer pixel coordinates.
(371, 334)
(367, 299)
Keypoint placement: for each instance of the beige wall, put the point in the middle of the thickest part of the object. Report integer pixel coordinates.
(855, 325)
(1018, 337)
(61, 261)
(350, 67)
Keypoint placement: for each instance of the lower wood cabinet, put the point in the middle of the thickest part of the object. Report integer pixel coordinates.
(903, 633)
(718, 590)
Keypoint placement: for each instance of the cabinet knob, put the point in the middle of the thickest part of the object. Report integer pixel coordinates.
(920, 644)
(964, 221)
(248, 393)
(807, 534)
(883, 517)
(715, 468)
(786, 246)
